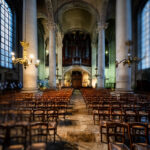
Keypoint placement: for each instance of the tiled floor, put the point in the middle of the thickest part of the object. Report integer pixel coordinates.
(78, 132)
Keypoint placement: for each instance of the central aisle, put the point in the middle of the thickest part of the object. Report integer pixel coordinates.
(78, 129)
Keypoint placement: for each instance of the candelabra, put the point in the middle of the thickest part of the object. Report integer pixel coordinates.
(96, 75)
(25, 61)
(57, 74)
(130, 59)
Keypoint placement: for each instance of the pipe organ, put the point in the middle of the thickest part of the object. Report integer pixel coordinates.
(77, 49)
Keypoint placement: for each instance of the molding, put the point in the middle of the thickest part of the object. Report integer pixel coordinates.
(101, 26)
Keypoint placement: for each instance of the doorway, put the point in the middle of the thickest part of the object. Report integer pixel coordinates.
(76, 79)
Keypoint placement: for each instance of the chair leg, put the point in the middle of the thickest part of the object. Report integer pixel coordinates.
(101, 134)
(94, 118)
(55, 132)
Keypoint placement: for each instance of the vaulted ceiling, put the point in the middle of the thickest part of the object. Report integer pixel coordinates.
(75, 14)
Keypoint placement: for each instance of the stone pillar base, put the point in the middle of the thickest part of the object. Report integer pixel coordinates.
(100, 88)
(117, 92)
(29, 90)
(122, 90)
(52, 88)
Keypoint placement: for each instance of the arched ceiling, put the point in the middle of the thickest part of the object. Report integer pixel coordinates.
(74, 14)
(76, 19)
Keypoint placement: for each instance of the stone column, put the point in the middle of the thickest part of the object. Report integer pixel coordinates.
(52, 56)
(41, 54)
(123, 34)
(94, 60)
(101, 55)
(30, 36)
(59, 53)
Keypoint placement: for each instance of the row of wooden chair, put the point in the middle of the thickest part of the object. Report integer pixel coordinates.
(118, 114)
(25, 135)
(127, 134)
(123, 115)
(31, 116)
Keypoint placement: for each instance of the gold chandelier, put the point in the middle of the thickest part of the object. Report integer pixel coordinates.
(25, 61)
(131, 59)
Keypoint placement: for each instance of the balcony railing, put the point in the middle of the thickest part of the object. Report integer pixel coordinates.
(76, 61)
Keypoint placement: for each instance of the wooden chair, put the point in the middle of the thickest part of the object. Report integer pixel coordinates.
(113, 146)
(18, 137)
(143, 116)
(24, 114)
(130, 115)
(116, 132)
(51, 118)
(104, 117)
(62, 108)
(117, 114)
(138, 133)
(38, 115)
(2, 137)
(141, 147)
(38, 133)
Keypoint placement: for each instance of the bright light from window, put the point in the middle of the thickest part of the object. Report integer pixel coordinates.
(145, 36)
(6, 35)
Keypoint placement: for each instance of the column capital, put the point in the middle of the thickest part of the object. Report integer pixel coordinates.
(52, 26)
(101, 26)
(93, 43)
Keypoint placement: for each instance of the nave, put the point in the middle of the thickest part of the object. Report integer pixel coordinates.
(75, 129)
(78, 128)
(70, 119)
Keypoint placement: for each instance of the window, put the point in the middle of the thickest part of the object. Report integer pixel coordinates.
(6, 34)
(145, 36)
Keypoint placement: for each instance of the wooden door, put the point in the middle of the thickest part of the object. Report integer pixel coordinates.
(76, 79)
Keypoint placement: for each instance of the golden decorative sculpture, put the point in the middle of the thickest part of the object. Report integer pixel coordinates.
(25, 61)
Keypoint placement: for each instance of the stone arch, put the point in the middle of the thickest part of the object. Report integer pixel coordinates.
(83, 8)
(86, 75)
(77, 4)
(77, 68)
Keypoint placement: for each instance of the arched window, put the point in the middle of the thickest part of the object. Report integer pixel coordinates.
(145, 36)
(6, 34)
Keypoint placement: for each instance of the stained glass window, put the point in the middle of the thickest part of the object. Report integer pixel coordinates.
(6, 34)
(145, 36)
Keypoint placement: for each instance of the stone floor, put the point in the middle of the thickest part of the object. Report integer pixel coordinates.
(77, 131)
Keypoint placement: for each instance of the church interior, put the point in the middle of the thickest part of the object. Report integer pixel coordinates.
(74, 74)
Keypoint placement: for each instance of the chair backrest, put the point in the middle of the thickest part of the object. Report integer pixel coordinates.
(39, 115)
(104, 113)
(38, 132)
(52, 115)
(131, 114)
(138, 133)
(117, 113)
(117, 131)
(18, 135)
(2, 135)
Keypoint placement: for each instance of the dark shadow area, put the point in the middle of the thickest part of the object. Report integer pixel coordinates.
(62, 145)
(69, 113)
(66, 122)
